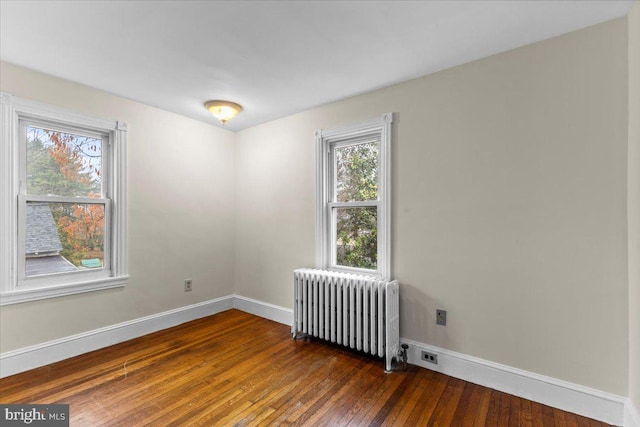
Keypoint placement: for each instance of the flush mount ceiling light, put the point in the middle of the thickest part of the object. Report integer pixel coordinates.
(223, 110)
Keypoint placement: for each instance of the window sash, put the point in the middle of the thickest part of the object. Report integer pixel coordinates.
(105, 165)
(362, 204)
(333, 162)
(25, 281)
(333, 231)
(333, 205)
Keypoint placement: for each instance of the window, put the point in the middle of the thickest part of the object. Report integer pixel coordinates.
(63, 202)
(353, 200)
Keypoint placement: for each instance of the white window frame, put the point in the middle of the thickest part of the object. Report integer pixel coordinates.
(15, 286)
(326, 141)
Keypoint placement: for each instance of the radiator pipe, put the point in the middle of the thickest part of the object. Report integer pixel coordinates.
(403, 355)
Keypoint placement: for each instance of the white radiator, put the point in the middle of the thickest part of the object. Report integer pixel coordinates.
(356, 311)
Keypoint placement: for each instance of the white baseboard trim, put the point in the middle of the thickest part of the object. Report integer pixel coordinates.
(264, 309)
(23, 359)
(549, 391)
(631, 415)
(564, 395)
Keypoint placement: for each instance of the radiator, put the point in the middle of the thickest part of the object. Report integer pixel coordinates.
(355, 311)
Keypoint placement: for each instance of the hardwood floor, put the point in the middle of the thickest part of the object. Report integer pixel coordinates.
(235, 369)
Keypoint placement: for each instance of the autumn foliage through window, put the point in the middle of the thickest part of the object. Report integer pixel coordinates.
(65, 165)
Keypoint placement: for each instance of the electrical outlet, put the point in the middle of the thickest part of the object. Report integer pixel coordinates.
(441, 317)
(188, 285)
(430, 357)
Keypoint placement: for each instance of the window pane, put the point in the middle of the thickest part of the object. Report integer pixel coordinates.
(63, 164)
(357, 172)
(62, 237)
(357, 237)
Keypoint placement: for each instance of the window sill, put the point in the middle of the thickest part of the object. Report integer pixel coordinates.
(34, 294)
(359, 271)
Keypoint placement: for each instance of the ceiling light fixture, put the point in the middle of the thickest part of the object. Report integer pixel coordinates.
(223, 110)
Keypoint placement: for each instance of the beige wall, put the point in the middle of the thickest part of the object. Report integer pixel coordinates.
(180, 188)
(509, 208)
(634, 205)
(509, 205)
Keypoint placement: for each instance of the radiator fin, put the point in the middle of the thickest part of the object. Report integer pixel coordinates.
(355, 311)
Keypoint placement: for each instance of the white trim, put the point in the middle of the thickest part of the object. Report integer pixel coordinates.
(8, 211)
(8, 207)
(118, 188)
(33, 294)
(61, 280)
(355, 129)
(631, 415)
(40, 111)
(13, 362)
(60, 199)
(549, 391)
(12, 282)
(322, 195)
(324, 239)
(264, 309)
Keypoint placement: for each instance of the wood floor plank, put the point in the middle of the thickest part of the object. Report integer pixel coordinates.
(399, 394)
(525, 413)
(494, 409)
(548, 419)
(559, 419)
(236, 369)
(336, 399)
(536, 414)
(421, 414)
(484, 400)
(514, 410)
(375, 401)
(571, 420)
(464, 414)
(417, 384)
(304, 398)
(448, 403)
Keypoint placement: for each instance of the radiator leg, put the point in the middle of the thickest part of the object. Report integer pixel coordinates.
(297, 335)
(388, 365)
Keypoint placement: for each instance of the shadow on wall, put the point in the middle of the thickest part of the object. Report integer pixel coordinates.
(419, 310)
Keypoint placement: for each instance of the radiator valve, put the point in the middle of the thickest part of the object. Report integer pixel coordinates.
(403, 355)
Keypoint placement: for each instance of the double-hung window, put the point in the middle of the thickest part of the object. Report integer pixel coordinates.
(63, 202)
(353, 202)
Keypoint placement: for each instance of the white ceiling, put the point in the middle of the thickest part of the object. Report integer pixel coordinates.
(273, 57)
